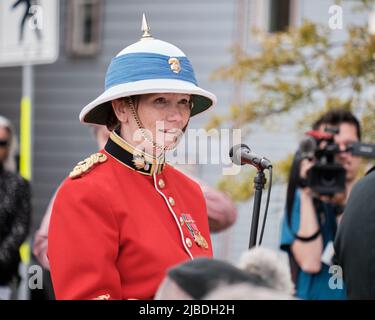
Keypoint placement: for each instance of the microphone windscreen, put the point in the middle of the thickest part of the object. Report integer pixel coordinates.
(307, 147)
(235, 153)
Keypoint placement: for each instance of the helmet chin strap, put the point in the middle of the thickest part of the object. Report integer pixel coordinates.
(146, 134)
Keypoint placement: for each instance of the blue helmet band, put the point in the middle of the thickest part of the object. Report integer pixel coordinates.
(132, 67)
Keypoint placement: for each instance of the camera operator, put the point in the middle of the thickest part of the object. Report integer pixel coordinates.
(311, 219)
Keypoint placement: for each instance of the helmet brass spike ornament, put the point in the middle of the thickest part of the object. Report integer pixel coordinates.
(145, 29)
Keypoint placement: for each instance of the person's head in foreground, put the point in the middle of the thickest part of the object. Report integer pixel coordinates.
(196, 278)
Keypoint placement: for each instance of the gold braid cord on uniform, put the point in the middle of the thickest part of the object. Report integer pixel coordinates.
(86, 165)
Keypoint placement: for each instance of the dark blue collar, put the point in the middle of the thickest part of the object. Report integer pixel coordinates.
(132, 157)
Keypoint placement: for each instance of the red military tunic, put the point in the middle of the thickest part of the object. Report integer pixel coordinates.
(117, 228)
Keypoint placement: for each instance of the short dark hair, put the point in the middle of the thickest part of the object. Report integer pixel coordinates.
(336, 117)
(112, 123)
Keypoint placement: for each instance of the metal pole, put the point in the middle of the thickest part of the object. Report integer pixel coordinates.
(259, 182)
(26, 123)
(26, 162)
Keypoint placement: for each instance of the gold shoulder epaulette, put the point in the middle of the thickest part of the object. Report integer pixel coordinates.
(87, 164)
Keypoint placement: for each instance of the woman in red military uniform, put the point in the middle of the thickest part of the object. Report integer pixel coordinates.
(124, 216)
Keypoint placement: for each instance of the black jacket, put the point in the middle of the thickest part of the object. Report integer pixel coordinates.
(355, 240)
(15, 212)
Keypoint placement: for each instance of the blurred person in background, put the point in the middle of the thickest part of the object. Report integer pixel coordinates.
(310, 222)
(355, 240)
(15, 212)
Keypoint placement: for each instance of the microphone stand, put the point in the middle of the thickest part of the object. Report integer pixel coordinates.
(259, 182)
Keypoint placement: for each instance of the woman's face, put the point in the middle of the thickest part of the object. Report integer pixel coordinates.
(163, 115)
(4, 143)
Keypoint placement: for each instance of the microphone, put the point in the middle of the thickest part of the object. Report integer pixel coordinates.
(241, 154)
(365, 150)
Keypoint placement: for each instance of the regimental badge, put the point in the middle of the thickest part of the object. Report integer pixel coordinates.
(87, 164)
(197, 236)
(175, 65)
(140, 162)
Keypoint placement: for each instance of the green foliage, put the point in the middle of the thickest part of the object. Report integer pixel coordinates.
(300, 68)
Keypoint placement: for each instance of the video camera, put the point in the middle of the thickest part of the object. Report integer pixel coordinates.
(326, 176)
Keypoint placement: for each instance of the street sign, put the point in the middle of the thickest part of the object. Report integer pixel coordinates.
(29, 32)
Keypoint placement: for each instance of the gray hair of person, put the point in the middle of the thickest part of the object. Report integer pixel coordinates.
(245, 291)
(266, 265)
(10, 161)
